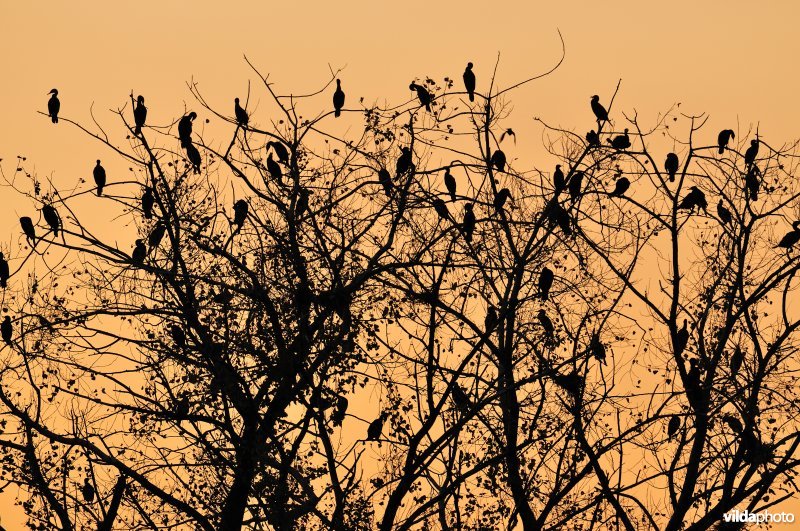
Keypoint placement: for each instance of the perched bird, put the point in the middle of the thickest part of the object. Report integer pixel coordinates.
(547, 324)
(99, 178)
(491, 319)
(558, 179)
(695, 198)
(182, 407)
(338, 99)
(87, 491)
(599, 111)
(593, 138)
(386, 181)
(139, 115)
(468, 224)
(52, 218)
(469, 81)
(545, 282)
(734, 424)
(723, 138)
(156, 235)
(139, 252)
(337, 417)
(622, 185)
(422, 94)
(241, 114)
(751, 153)
(376, 427)
(280, 151)
(790, 238)
(178, 336)
(575, 183)
(681, 339)
(185, 128)
(460, 398)
(7, 330)
(193, 154)
(4, 271)
(620, 142)
(673, 426)
(501, 197)
(405, 162)
(53, 106)
(498, 160)
(28, 229)
(571, 383)
(147, 202)
(752, 182)
(723, 213)
(450, 184)
(240, 209)
(274, 169)
(557, 215)
(301, 205)
(441, 208)
(597, 348)
(671, 165)
(737, 358)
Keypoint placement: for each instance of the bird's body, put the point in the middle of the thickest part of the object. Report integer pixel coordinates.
(52, 218)
(139, 253)
(491, 319)
(545, 282)
(621, 142)
(460, 398)
(87, 491)
(280, 150)
(723, 138)
(386, 181)
(752, 182)
(599, 111)
(558, 179)
(301, 205)
(671, 165)
(791, 238)
(621, 186)
(724, 214)
(178, 336)
(404, 163)
(240, 209)
(182, 407)
(751, 153)
(498, 160)
(99, 174)
(571, 382)
(681, 339)
(557, 215)
(193, 154)
(185, 129)
(547, 324)
(501, 197)
(53, 106)
(274, 169)
(139, 115)
(575, 184)
(337, 417)
(450, 184)
(695, 198)
(441, 208)
(422, 94)
(4, 271)
(7, 330)
(737, 358)
(156, 235)
(593, 138)
(147, 202)
(469, 81)
(241, 115)
(468, 224)
(597, 348)
(338, 99)
(375, 428)
(28, 229)
(673, 426)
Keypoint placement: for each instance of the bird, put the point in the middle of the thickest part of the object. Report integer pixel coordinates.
(422, 94)
(139, 115)
(599, 111)
(681, 339)
(574, 185)
(509, 132)
(139, 252)
(460, 398)
(547, 324)
(733, 423)
(280, 151)
(501, 197)
(147, 202)
(375, 428)
(4, 271)
(790, 238)
(240, 209)
(193, 155)
(752, 183)
(404, 162)
(737, 358)
(498, 160)
(87, 491)
(622, 185)
(28, 229)
(386, 181)
(6, 330)
(724, 214)
(597, 348)
(491, 319)
(695, 198)
(441, 208)
(592, 138)
(673, 426)
(557, 215)
(750, 154)
(671, 165)
(450, 184)
(241, 114)
(338, 99)
(53, 106)
(274, 169)
(99, 178)
(156, 235)
(185, 128)
(178, 336)
(469, 81)
(52, 218)
(558, 179)
(468, 224)
(723, 138)
(620, 142)
(337, 417)
(571, 382)
(182, 407)
(545, 282)
(301, 205)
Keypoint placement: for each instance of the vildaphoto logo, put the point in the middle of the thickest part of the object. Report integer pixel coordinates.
(763, 517)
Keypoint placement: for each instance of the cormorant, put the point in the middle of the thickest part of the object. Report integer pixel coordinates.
(139, 115)
(737, 358)
(723, 138)
(241, 114)
(469, 81)
(695, 198)
(240, 209)
(156, 235)
(301, 205)
(185, 129)
(558, 179)
(547, 324)
(337, 417)
(750, 154)
(147, 202)
(178, 336)
(139, 252)
(752, 183)
(460, 398)
(674, 426)
(498, 160)
(53, 106)
(386, 181)
(28, 229)
(501, 197)
(557, 215)
(592, 138)
(99, 178)
(791, 238)
(441, 208)
(681, 339)
(545, 282)
(450, 183)
(597, 348)
(338, 99)
(52, 218)
(723, 213)
(671, 165)
(423, 95)
(274, 169)
(491, 319)
(575, 183)
(620, 142)
(193, 155)
(7, 330)
(376, 427)
(599, 111)
(468, 225)
(4, 271)
(622, 185)
(404, 162)
(87, 491)
(280, 151)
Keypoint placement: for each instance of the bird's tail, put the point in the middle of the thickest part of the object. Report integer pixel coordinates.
(337, 113)
(55, 119)
(722, 150)
(471, 96)
(137, 131)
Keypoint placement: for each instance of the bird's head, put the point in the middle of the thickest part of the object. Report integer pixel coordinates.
(595, 98)
(468, 207)
(54, 92)
(626, 130)
(236, 100)
(140, 99)
(469, 66)
(796, 225)
(558, 166)
(192, 115)
(754, 142)
(412, 86)
(98, 162)
(338, 83)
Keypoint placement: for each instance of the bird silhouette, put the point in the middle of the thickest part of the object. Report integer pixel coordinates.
(450, 184)
(557, 215)
(621, 186)
(593, 138)
(182, 407)
(7, 330)
(339, 412)
(695, 198)
(469, 81)
(147, 202)
(498, 160)
(547, 325)
(178, 336)
(599, 111)
(404, 162)
(575, 183)
(139, 115)
(441, 208)
(301, 205)
(53, 106)
(501, 197)
(468, 224)
(571, 382)
(338, 99)
(139, 253)
(241, 114)
(681, 339)
(545, 282)
(99, 178)
(597, 348)
(752, 182)
(386, 181)
(673, 426)
(193, 154)
(737, 358)
(156, 235)
(28, 229)
(671, 165)
(274, 169)
(509, 132)
(240, 209)
(87, 491)
(620, 142)
(4, 271)
(723, 213)
(558, 179)
(723, 138)
(280, 151)
(52, 218)
(376, 427)
(423, 95)
(491, 319)
(734, 424)
(791, 238)
(751, 153)
(460, 398)
(185, 128)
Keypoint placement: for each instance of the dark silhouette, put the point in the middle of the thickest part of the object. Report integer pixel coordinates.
(7, 330)
(461, 399)
(178, 336)
(558, 179)
(468, 225)
(404, 163)
(99, 178)
(240, 113)
(621, 186)
(557, 215)
(545, 282)
(423, 95)
(791, 238)
(441, 208)
(87, 491)
(28, 229)
(508, 132)
(695, 198)
(593, 138)
(4, 271)
(575, 184)
(139, 115)
(338, 99)
(597, 348)
(599, 111)
(376, 427)
(571, 382)
(674, 426)
(147, 202)
(386, 181)
(671, 165)
(498, 160)
(501, 197)
(620, 142)
(280, 151)
(156, 235)
(53, 106)
(240, 209)
(723, 138)
(52, 218)
(450, 184)
(752, 182)
(302, 202)
(469, 81)
(185, 129)
(182, 408)
(681, 339)
(339, 412)
(491, 319)
(737, 358)
(193, 154)
(724, 214)
(751, 153)
(139, 253)
(547, 325)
